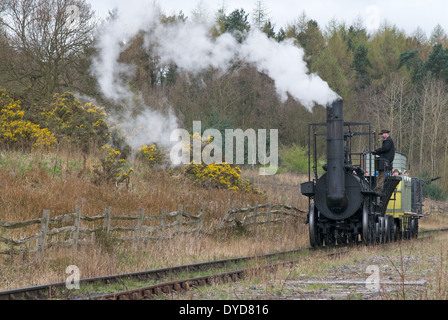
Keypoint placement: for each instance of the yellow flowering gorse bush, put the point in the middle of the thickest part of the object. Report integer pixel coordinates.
(15, 131)
(74, 122)
(111, 168)
(150, 155)
(221, 176)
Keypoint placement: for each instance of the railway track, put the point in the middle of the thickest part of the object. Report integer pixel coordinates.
(148, 284)
(181, 286)
(60, 291)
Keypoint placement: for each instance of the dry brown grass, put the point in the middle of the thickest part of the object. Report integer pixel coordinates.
(436, 215)
(30, 183)
(29, 186)
(59, 182)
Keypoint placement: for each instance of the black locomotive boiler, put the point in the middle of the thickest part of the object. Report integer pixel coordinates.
(343, 204)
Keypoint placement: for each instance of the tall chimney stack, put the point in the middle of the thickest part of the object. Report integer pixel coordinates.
(336, 193)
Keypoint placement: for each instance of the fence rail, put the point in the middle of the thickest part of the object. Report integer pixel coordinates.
(258, 214)
(184, 223)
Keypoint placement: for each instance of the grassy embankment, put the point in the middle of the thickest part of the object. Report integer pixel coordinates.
(32, 182)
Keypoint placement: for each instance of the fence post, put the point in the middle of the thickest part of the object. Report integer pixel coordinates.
(138, 229)
(255, 212)
(77, 225)
(162, 223)
(106, 225)
(43, 233)
(241, 215)
(179, 217)
(226, 217)
(269, 212)
(201, 218)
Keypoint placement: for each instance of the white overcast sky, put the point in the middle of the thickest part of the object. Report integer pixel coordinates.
(407, 15)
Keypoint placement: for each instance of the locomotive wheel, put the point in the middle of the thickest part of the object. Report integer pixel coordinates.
(413, 228)
(394, 231)
(400, 234)
(315, 239)
(369, 226)
(416, 228)
(387, 229)
(383, 233)
(380, 230)
(366, 228)
(408, 230)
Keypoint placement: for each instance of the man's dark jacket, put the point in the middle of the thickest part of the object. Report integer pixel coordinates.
(386, 152)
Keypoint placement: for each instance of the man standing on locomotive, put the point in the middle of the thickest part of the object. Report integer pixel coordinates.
(387, 156)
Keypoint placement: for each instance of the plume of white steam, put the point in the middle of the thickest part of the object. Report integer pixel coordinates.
(150, 126)
(283, 62)
(111, 42)
(190, 46)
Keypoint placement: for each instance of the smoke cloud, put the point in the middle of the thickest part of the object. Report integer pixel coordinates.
(148, 126)
(190, 46)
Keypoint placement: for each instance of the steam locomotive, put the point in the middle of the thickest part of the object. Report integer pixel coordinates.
(343, 204)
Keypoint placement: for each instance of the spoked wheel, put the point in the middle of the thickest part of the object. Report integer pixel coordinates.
(379, 230)
(315, 239)
(368, 226)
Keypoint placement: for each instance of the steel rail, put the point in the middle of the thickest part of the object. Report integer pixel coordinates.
(184, 285)
(181, 286)
(47, 291)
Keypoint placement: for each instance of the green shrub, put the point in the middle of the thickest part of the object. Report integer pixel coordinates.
(295, 159)
(112, 169)
(435, 192)
(74, 122)
(431, 189)
(150, 155)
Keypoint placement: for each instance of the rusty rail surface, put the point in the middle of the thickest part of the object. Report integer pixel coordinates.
(182, 286)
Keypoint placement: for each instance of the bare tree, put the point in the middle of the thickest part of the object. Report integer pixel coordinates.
(434, 105)
(46, 41)
(260, 17)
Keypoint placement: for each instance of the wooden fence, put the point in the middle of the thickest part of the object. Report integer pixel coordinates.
(166, 228)
(259, 214)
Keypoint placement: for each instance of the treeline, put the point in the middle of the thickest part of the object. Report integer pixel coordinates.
(392, 79)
